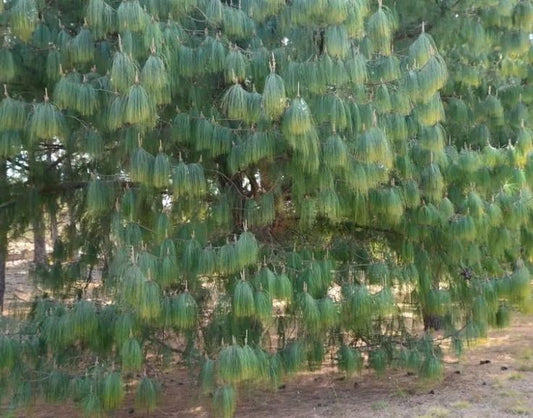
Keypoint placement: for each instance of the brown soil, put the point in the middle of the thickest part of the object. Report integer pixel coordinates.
(499, 388)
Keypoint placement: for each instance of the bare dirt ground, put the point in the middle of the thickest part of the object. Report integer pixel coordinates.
(500, 387)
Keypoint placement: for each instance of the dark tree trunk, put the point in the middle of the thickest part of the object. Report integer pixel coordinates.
(52, 210)
(3, 260)
(39, 238)
(53, 227)
(432, 322)
(3, 236)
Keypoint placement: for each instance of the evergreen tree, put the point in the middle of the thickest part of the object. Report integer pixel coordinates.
(268, 180)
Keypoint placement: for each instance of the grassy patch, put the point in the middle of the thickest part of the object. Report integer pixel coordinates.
(519, 409)
(437, 412)
(401, 393)
(461, 405)
(526, 367)
(379, 405)
(527, 354)
(508, 393)
(526, 357)
(516, 376)
(498, 383)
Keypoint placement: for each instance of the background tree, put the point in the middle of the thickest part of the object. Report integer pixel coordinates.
(264, 182)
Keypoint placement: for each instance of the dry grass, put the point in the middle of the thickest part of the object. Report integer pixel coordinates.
(437, 412)
(519, 409)
(461, 405)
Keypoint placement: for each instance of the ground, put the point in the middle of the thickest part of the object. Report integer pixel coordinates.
(492, 379)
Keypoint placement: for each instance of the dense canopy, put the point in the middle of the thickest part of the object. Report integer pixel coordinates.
(259, 184)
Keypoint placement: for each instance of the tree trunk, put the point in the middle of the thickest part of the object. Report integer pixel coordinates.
(52, 210)
(432, 322)
(3, 260)
(3, 236)
(53, 227)
(39, 238)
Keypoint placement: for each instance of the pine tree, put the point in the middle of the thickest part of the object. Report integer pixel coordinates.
(357, 162)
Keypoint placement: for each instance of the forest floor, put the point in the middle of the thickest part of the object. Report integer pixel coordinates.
(492, 379)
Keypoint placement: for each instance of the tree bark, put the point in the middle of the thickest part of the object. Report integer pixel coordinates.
(3, 260)
(53, 227)
(52, 210)
(3, 236)
(39, 238)
(432, 322)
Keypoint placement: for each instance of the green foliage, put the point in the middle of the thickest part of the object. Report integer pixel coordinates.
(100, 18)
(184, 311)
(283, 287)
(46, 122)
(147, 395)
(123, 71)
(431, 367)
(131, 355)
(131, 16)
(8, 71)
(378, 360)
(149, 307)
(13, 114)
(380, 27)
(99, 197)
(81, 48)
(207, 376)
(139, 107)
(224, 401)
(274, 99)
(141, 163)
(112, 391)
(297, 119)
(310, 313)
(349, 360)
(243, 299)
(235, 102)
(154, 77)
(23, 18)
(261, 183)
(232, 364)
(263, 307)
